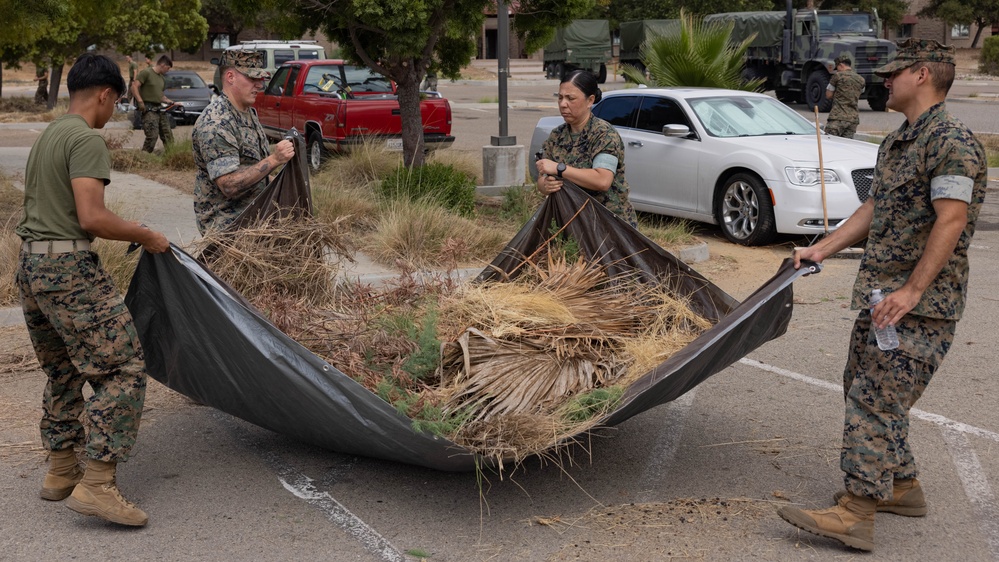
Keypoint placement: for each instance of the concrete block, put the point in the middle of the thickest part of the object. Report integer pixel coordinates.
(502, 167)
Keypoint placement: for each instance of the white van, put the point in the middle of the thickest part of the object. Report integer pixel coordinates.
(276, 53)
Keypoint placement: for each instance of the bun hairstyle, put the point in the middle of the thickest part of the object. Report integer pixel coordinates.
(586, 81)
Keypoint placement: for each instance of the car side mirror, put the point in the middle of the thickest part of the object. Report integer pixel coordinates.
(676, 130)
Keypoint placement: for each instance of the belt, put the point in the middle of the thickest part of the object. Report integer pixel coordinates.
(56, 246)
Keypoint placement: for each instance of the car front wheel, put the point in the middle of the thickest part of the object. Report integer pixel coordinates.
(745, 212)
(315, 151)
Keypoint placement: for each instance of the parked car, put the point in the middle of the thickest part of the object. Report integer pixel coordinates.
(189, 92)
(742, 160)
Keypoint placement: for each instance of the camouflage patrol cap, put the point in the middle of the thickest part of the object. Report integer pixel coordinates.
(912, 51)
(249, 63)
(845, 58)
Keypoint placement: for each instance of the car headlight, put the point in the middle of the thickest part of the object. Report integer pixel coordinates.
(810, 176)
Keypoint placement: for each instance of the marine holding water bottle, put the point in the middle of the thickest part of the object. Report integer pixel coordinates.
(929, 185)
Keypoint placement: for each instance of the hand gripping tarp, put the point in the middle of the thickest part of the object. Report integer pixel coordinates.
(204, 341)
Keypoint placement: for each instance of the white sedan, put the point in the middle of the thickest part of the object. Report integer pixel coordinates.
(742, 160)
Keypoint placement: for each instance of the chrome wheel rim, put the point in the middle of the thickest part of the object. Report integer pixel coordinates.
(740, 210)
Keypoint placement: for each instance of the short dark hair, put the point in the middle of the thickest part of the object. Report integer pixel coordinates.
(165, 60)
(95, 71)
(942, 74)
(586, 81)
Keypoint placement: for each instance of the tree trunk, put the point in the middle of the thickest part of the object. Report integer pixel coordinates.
(412, 121)
(1, 79)
(55, 78)
(978, 35)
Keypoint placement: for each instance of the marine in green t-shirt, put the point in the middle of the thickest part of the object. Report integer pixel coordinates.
(148, 92)
(78, 323)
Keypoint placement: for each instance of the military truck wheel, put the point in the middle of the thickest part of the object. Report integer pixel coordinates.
(788, 96)
(602, 76)
(878, 98)
(815, 91)
(550, 70)
(560, 71)
(315, 151)
(744, 211)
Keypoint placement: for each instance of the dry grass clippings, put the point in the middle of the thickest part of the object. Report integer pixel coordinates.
(505, 369)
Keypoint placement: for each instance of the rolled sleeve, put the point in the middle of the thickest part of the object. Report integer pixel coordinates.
(952, 187)
(605, 161)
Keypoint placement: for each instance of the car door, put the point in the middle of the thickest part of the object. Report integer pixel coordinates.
(269, 101)
(289, 110)
(661, 170)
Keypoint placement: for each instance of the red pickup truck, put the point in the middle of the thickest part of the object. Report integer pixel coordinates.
(336, 106)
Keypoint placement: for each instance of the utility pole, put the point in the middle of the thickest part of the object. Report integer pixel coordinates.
(504, 162)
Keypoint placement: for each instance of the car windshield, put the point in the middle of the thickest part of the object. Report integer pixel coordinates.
(736, 116)
(183, 81)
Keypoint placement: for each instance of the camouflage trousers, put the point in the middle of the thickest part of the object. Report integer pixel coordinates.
(845, 129)
(83, 333)
(880, 388)
(156, 123)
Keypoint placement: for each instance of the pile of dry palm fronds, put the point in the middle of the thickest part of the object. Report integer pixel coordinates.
(296, 258)
(506, 369)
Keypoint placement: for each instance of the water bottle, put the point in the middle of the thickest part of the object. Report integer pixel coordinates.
(887, 338)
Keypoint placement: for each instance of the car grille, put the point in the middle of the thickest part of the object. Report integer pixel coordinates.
(862, 180)
(869, 57)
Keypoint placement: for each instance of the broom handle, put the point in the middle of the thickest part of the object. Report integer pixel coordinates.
(822, 175)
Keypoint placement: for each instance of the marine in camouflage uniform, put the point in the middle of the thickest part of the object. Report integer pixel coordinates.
(936, 157)
(846, 87)
(230, 147)
(929, 186)
(578, 151)
(79, 326)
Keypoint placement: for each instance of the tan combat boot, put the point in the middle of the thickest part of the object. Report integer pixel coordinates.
(63, 475)
(97, 494)
(851, 522)
(907, 499)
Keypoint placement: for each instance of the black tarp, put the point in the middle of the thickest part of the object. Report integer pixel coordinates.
(204, 341)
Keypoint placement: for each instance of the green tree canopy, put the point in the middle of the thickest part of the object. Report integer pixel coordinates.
(402, 38)
(67, 28)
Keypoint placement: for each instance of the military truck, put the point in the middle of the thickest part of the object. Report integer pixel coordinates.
(635, 33)
(794, 51)
(582, 44)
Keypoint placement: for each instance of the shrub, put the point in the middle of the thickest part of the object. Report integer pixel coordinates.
(179, 155)
(989, 61)
(439, 183)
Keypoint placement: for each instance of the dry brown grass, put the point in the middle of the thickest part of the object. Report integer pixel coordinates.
(421, 235)
(296, 259)
(25, 110)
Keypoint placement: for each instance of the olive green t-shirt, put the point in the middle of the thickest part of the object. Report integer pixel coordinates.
(67, 149)
(151, 86)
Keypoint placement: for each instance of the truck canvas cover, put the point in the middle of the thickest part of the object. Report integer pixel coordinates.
(634, 33)
(585, 38)
(768, 26)
(205, 341)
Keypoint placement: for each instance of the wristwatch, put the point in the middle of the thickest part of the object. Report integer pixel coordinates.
(559, 169)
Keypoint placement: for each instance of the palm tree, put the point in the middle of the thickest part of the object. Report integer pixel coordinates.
(700, 55)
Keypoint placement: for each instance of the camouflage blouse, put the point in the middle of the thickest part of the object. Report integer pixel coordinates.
(847, 87)
(936, 157)
(597, 137)
(225, 139)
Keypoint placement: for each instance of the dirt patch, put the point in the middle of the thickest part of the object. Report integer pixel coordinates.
(687, 529)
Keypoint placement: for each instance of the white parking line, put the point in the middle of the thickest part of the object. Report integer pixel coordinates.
(976, 486)
(916, 412)
(664, 449)
(301, 486)
(969, 469)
